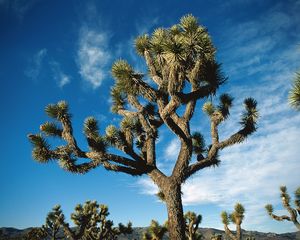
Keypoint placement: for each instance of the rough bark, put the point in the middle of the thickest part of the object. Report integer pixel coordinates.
(176, 223)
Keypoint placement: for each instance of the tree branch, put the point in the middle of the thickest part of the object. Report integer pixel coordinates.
(152, 69)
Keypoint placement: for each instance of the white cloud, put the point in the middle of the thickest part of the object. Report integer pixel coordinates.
(172, 149)
(35, 64)
(93, 56)
(147, 186)
(64, 80)
(60, 77)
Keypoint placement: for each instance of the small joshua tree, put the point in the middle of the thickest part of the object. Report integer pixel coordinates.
(182, 64)
(192, 223)
(90, 221)
(155, 231)
(53, 226)
(294, 94)
(237, 218)
(293, 212)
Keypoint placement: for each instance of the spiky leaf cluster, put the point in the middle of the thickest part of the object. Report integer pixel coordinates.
(41, 147)
(235, 217)
(220, 112)
(285, 197)
(51, 129)
(238, 215)
(118, 99)
(225, 218)
(114, 137)
(95, 140)
(198, 143)
(249, 118)
(58, 111)
(161, 196)
(294, 94)
(155, 231)
(141, 44)
(225, 104)
(212, 76)
(192, 221)
(193, 217)
(124, 76)
(269, 208)
(208, 108)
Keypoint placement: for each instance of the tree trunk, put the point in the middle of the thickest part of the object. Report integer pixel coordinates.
(238, 232)
(176, 223)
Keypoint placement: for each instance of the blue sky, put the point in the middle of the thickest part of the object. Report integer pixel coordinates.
(63, 50)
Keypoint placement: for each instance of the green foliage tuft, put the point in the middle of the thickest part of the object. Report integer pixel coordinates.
(121, 70)
(51, 129)
(40, 150)
(91, 130)
(124, 76)
(225, 104)
(189, 23)
(161, 196)
(155, 231)
(239, 209)
(38, 141)
(58, 111)
(118, 99)
(198, 143)
(269, 208)
(294, 94)
(128, 123)
(142, 43)
(249, 118)
(225, 218)
(111, 131)
(208, 108)
(212, 75)
(157, 40)
(91, 126)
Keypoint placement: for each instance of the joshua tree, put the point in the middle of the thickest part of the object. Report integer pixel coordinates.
(181, 62)
(294, 95)
(53, 225)
(293, 212)
(90, 221)
(237, 218)
(155, 231)
(192, 223)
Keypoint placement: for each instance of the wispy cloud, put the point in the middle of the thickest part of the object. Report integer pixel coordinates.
(93, 56)
(172, 149)
(18, 7)
(60, 77)
(35, 64)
